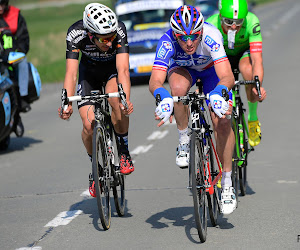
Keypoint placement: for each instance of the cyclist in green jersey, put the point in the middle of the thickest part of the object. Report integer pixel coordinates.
(243, 45)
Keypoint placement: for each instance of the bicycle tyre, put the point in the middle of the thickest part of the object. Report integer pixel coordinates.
(213, 199)
(235, 177)
(243, 167)
(101, 175)
(198, 189)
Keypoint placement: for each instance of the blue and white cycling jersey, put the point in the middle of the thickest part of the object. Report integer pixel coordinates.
(210, 51)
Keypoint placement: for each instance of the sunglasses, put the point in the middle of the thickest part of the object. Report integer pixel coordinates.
(230, 22)
(106, 39)
(185, 38)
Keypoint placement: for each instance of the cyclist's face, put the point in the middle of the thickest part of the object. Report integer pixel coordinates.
(189, 44)
(103, 42)
(231, 24)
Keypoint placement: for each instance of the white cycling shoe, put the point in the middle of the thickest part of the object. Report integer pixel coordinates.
(228, 200)
(183, 155)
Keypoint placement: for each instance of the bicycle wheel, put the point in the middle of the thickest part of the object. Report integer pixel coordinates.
(235, 177)
(213, 199)
(101, 174)
(198, 189)
(244, 155)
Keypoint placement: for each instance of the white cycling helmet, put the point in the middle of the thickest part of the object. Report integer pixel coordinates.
(99, 19)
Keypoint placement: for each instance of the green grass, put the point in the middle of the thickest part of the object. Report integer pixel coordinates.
(47, 28)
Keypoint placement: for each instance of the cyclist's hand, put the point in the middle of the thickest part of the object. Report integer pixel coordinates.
(66, 114)
(255, 94)
(127, 111)
(164, 110)
(219, 105)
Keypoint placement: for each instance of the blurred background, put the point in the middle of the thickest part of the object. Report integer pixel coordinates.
(48, 21)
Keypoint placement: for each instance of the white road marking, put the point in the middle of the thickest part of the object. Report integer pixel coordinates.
(86, 193)
(29, 248)
(157, 135)
(141, 149)
(63, 218)
(286, 182)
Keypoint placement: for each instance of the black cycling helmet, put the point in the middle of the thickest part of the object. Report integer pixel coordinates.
(5, 2)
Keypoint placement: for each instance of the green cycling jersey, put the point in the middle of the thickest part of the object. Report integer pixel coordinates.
(249, 35)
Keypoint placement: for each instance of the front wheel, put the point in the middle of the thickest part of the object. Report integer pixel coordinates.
(198, 186)
(101, 174)
(213, 199)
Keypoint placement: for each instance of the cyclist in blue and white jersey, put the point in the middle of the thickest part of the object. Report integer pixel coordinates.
(191, 50)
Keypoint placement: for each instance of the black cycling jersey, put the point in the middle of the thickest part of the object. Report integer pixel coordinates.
(78, 40)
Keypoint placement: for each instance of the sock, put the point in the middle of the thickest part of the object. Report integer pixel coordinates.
(252, 116)
(183, 136)
(226, 179)
(123, 142)
(90, 157)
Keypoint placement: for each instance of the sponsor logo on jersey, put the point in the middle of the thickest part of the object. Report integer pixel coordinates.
(121, 32)
(212, 44)
(75, 35)
(164, 49)
(256, 29)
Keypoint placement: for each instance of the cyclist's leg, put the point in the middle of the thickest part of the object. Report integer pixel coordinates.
(121, 126)
(245, 67)
(180, 82)
(225, 141)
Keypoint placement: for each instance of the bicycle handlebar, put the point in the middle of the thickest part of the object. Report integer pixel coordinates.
(255, 81)
(93, 97)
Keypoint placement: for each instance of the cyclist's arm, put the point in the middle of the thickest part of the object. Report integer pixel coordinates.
(157, 80)
(71, 76)
(224, 72)
(122, 64)
(257, 65)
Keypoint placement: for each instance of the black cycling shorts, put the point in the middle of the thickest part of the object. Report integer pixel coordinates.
(93, 77)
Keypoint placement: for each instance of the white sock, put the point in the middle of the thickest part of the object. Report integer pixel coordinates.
(183, 136)
(226, 179)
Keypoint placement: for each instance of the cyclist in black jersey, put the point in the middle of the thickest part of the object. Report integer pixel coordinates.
(102, 41)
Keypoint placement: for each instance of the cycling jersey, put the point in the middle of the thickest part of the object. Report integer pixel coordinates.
(78, 40)
(169, 56)
(249, 35)
(96, 67)
(209, 52)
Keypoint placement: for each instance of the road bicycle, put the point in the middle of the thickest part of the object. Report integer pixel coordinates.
(241, 132)
(105, 172)
(205, 168)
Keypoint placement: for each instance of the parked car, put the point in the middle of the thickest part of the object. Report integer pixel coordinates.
(207, 7)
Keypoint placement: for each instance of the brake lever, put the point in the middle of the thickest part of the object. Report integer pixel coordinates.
(64, 101)
(257, 83)
(122, 95)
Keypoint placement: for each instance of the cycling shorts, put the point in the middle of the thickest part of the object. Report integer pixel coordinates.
(93, 77)
(208, 78)
(234, 60)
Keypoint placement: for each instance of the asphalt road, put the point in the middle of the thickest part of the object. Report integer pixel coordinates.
(44, 175)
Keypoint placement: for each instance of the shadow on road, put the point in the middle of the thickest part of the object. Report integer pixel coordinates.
(183, 217)
(20, 144)
(89, 206)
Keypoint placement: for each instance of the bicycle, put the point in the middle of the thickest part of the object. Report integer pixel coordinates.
(105, 173)
(203, 173)
(241, 132)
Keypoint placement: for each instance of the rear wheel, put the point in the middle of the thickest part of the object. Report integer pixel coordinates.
(101, 174)
(198, 188)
